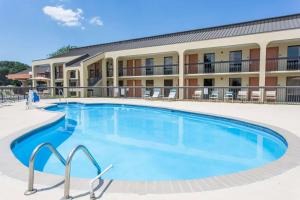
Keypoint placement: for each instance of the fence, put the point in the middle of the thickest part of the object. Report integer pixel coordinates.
(284, 95)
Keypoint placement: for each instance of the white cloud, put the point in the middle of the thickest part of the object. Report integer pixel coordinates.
(96, 21)
(66, 17)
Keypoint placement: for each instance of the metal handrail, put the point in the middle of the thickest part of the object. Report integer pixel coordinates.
(68, 167)
(30, 189)
(92, 194)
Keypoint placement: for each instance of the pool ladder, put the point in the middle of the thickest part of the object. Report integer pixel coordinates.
(67, 163)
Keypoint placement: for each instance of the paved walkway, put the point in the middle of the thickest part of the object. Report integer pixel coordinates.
(285, 186)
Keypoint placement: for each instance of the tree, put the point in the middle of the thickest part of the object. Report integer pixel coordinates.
(62, 50)
(10, 67)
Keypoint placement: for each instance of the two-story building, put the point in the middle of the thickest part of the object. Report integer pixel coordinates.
(256, 53)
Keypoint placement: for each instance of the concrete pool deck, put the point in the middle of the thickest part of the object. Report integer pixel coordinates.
(284, 186)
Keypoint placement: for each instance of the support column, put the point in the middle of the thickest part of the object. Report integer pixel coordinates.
(181, 74)
(115, 76)
(83, 80)
(33, 75)
(66, 80)
(52, 78)
(262, 68)
(104, 77)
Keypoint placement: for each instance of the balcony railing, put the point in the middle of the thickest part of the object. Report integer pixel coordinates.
(283, 64)
(149, 70)
(74, 83)
(222, 67)
(276, 94)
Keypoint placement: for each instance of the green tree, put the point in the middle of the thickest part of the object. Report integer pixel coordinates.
(62, 50)
(10, 67)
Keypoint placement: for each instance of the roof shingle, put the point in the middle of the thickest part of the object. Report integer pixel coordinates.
(238, 29)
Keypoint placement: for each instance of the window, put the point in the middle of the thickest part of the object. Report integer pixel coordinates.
(209, 65)
(293, 58)
(168, 65)
(235, 61)
(73, 74)
(109, 68)
(208, 84)
(168, 83)
(120, 67)
(149, 66)
(149, 86)
(235, 83)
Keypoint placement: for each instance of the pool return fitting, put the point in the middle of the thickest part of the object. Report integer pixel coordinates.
(67, 163)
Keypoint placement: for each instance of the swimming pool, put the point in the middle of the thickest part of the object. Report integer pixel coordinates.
(145, 143)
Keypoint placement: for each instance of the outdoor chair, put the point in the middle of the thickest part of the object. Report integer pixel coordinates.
(197, 94)
(172, 94)
(228, 95)
(271, 95)
(156, 93)
(8, 96)
(214, 95)
(242, 95)
(147, 94)
(255, 95)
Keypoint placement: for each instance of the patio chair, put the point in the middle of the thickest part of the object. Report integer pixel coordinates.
(8, 96)
(271, 95)
(197, 94)
(147, 94)
(172, 94)
(156, 93)
(255, 95)
(242, 95)
(228, 95)
(214, 95)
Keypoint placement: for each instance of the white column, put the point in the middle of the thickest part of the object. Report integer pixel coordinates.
(115, 76)
(52, 78)
(66, 80)
(33, 75)
(83, 80)
(104, 76)
(181, 73)
(262, 68)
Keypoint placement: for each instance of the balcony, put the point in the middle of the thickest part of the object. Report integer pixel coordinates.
(223, 67)
(283, 64)
(149, 70)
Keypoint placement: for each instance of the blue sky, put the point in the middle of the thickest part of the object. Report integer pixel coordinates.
(31, 29)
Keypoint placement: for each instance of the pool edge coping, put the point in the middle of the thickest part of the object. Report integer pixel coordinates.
(288, 161)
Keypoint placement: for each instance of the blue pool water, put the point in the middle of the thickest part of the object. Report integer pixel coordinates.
(146, 143)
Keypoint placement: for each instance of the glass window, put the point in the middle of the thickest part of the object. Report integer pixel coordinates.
(209, 65)
(293, 51)
(235, 61)
(168, 83)
(120, 67)
(293, 58)
(149, 66)
(72, 74)
(168, 65)
(235, 83)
